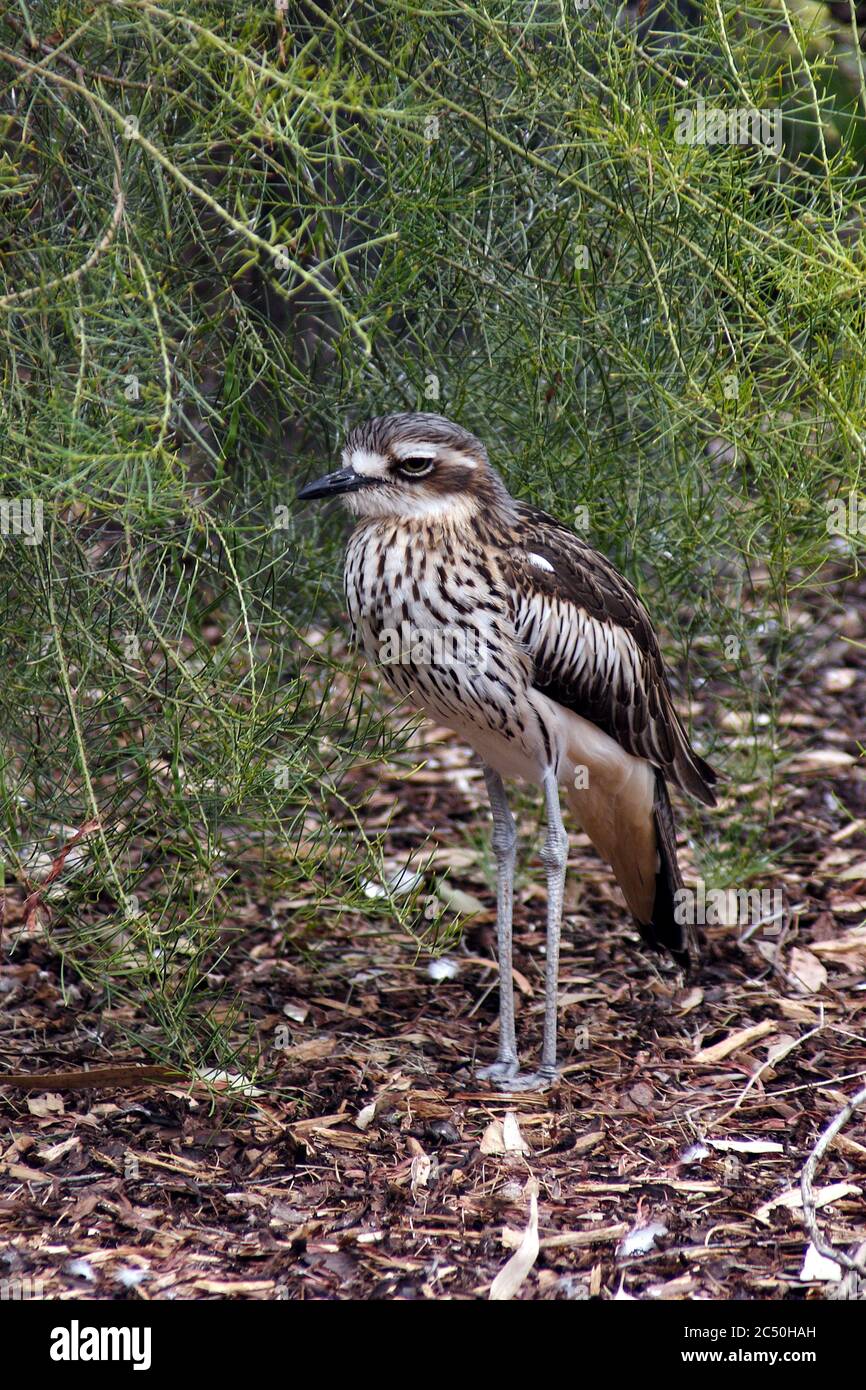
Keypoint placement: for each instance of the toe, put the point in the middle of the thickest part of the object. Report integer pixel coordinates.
(498, 1071)
(528, 1081)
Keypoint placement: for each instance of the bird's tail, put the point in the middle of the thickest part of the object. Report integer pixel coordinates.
(622, 804)
(665, 928)
(689, 770)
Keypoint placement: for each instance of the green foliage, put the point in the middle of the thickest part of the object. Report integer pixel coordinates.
(226, 230)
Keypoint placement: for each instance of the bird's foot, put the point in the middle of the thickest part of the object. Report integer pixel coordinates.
(539, 1080)
(499, 1072)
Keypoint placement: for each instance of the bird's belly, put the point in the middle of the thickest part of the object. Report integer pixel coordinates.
(521, 757)
(451, 652)
(458, 675)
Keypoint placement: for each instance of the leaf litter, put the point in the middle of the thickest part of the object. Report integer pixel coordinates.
(367, 1161)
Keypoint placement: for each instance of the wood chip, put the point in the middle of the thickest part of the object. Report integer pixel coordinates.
(734, 1041)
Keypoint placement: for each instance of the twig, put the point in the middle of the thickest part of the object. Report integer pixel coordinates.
(772, 1061)
(830, 1252)
(71, 278)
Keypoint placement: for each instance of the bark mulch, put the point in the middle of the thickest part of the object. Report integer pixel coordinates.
(666, 1164)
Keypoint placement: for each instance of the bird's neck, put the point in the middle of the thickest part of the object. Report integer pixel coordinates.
(447, 519)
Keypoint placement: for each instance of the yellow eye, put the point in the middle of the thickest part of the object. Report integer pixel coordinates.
(415, 468)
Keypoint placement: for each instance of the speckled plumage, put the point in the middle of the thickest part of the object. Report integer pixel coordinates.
(577, 632)
(498, 621)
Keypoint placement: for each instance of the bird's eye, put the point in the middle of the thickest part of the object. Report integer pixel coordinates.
(415, 468)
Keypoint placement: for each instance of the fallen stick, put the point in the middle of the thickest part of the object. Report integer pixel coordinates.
(858, 1266)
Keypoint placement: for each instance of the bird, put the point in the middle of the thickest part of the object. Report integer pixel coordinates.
(503, 624)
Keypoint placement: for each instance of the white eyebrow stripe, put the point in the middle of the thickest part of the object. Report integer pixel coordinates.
(368, 464)
(416, 451)
(540, 561)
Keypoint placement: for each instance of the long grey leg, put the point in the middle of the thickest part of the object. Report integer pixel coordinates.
(505, 852)
(554, 855)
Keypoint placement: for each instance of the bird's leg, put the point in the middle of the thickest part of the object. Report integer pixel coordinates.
(504, 849)
(554, 855)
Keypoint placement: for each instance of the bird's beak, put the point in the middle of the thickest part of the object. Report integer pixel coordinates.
(343, 480)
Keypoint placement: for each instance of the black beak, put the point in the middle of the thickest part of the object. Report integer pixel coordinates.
(343, 480)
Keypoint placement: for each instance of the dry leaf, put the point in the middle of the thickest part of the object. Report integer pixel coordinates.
(821, 760)
(844, 906)
(690, 1001)
(514, 1273)
(800, 1010)
(792, 1198)
(455, 900)
(805, 970)
(228, 1081)
(584, 1142)
(511, 1137)
(56, 1151)
(849, 949)
(504, 1137)
(422, 1165)
(747, 1146)
(312, 1049)
(48, 1104)
(21, 1173)
(818, 1266)
(641, 1095)
(682, 1287)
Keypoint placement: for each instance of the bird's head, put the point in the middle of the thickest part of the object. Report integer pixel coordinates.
(412, 467)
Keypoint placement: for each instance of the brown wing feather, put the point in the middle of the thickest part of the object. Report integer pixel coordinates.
(594, 648)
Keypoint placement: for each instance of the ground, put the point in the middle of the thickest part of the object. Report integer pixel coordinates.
(373, 1165)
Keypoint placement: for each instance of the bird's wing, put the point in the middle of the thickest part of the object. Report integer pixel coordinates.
(593, 646)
